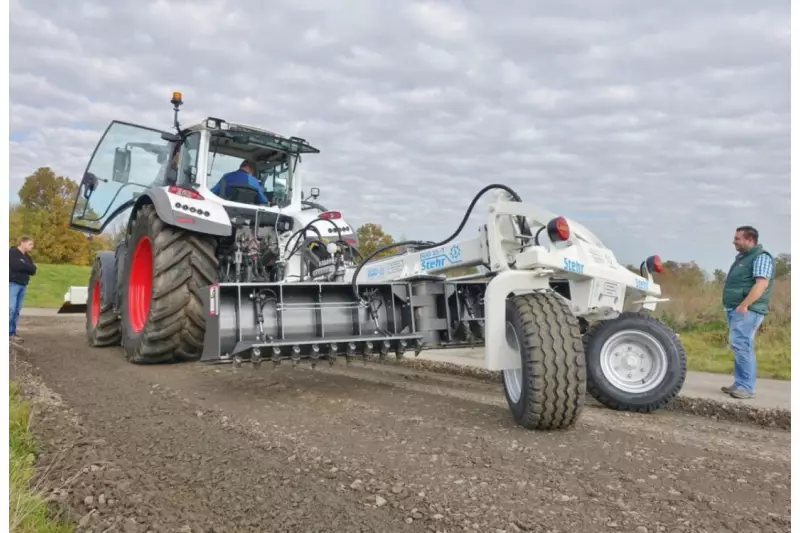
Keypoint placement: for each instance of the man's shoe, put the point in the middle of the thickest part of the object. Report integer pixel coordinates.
(742, 394)
(728, 390)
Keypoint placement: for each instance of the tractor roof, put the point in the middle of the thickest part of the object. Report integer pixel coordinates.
(244, 137)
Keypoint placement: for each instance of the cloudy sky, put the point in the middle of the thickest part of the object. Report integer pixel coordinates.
(660, 125)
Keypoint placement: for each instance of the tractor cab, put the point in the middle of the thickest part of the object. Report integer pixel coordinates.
(131, 159)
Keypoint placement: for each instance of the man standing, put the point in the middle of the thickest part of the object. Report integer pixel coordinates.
(745, 297)
(20, 269)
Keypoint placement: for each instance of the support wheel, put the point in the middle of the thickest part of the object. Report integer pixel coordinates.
(102, 323)
(163, 318)
(635, 363)
(548, 391)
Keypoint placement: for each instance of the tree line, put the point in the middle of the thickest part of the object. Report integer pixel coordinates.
(44, 211)
(46, 202)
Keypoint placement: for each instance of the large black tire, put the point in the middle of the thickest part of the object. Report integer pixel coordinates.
(103, 326)
(163, 318)
(552, 388)
(658, 383)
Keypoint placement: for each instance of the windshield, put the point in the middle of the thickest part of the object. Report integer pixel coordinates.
(274, 175)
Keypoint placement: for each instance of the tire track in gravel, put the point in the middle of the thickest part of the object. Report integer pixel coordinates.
(396, 450)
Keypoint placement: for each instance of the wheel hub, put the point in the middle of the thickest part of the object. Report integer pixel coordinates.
(513, 378)
(95, 306)
(633, 361)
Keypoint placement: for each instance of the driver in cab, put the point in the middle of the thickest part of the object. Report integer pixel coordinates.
(242, 178)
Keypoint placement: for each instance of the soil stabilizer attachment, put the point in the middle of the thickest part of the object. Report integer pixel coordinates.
(294, 321)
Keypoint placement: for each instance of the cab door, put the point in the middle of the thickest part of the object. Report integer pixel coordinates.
(128, 160)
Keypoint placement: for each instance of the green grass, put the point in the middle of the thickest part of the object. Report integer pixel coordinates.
(28, 509)
(707, 351)
(47, 287)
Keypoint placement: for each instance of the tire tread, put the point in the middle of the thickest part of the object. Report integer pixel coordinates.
(182, 263)
(108, 331)
(555, 373)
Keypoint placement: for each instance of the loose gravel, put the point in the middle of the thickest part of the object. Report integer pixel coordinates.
(192, 448)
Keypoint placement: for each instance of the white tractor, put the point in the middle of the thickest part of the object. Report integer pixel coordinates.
(217, 276)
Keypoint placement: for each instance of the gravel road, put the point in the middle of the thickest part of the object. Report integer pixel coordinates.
(193, 448)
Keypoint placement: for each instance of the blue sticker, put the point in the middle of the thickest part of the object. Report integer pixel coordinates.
(374, 272)
(642, 284)
(440, 257)
(571, 265)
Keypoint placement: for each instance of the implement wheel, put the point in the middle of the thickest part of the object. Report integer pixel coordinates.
(548, 391)
(635, 363)
(163, 318)
(102, 323)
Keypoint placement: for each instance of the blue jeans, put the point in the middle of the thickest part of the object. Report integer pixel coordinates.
(16, 293)
(741, 335)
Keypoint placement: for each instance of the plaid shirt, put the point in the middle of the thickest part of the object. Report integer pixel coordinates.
(763, 266)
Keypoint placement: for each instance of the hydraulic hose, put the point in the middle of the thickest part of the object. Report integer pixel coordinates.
(424, 245)
(302, 230)
(308, 227)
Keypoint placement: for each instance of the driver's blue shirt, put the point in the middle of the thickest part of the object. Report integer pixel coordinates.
(240, 178)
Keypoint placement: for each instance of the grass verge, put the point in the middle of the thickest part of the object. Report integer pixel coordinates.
(29, 511)
(47, 287)
(707, 351)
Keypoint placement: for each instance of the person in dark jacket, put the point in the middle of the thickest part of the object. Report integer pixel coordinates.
(20, 269)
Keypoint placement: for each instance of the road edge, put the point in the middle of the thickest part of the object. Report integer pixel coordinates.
(775, 418)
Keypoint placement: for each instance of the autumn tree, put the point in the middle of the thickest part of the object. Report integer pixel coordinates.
(371, 237)
(43, 213)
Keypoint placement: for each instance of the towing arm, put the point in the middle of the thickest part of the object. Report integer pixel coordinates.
(574, 263)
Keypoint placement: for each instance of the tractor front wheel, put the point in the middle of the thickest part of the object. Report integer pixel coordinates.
(165, 270)
(102, 322)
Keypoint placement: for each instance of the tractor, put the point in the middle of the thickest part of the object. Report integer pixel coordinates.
(212, 273)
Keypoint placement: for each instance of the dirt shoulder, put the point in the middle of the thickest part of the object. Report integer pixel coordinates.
(197, 448)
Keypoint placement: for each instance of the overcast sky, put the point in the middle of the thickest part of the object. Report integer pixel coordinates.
(660, 125)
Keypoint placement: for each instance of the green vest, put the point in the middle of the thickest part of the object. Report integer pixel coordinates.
(740, 280)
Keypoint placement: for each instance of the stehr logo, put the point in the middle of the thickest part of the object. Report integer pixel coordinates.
(439, 257)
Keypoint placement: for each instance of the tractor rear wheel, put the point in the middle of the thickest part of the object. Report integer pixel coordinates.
(102, 323)
(548, 391)
(635, 363)
(163, 317)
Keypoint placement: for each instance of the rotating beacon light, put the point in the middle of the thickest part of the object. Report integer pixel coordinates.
(177, 101)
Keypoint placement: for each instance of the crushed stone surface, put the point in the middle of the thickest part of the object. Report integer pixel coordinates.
(193, 448)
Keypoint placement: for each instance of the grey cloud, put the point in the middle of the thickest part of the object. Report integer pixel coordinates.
(661, 126)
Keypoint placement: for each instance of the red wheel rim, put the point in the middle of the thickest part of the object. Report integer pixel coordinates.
(95, 312)
(140, 284)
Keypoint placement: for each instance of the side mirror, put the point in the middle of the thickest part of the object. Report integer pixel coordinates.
(314, 193)
(122, 165)
(89, 183)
